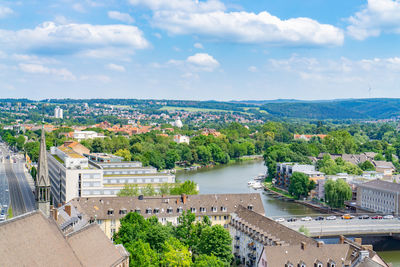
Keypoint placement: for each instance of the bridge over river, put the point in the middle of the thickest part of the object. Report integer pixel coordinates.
(353, 227)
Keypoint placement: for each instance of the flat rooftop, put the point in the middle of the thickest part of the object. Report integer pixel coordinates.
(70, 153)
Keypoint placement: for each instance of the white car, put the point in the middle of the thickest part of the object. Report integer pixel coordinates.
(306, 219)
(388, 217)
(331, 218)
(280, 220)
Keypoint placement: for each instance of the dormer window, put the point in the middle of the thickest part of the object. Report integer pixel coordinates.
(169, 210)
(202, 209)
(289, 264)
(110, 212)
(179, 210)
(331, 263)
(137, 210)
(302, 264)
(156, 210)
(123, 211)
(318, 264)
(214, 209)
(250, 207)
(149, 211)
(193, 210)
(223, 209)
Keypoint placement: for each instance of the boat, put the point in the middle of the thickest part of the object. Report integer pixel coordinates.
(260, 177)
(257, 185)
(251, 183)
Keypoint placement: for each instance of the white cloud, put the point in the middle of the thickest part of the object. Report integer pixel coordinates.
(41, 69)
(158, 35)
(209, 18)
(78, 7)
(203, 61)
(198, 46)
(253, 69)
(96, 78)
(51, 38)
(115, 67)
(124, 17)
(5, 11)
(376, 17)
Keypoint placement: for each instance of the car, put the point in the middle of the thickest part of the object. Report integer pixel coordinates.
(377, 217)
(347, 217)
(388, 217)
(280, 220)
(363, 217)
(291, 219)
(319, 218)
(331, 218)
(306, 219)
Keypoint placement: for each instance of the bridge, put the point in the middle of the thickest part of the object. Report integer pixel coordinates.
(353, 227)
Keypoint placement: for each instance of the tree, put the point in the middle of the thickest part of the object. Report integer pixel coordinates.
(98, 145)
(170, 158)
(204, 154)
(209, 261)
(20, 141)
(141, 254)
(339, 142)
(188, 188)
(336, 192)
(124, 153)
(129, 190)
(300, 185)
(175, 254)
(215, 240)
(148, 190)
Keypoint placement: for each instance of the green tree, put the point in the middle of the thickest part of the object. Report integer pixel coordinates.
(339, 142)
(98, 145)
(215, 240)
(148, 190)
(124, 153)
(171, 157)
(209, 261)
(141, 254)
(19, 142)
(129, 190)
(188, 188)
(175, 254)
(336, 192)
(300, 185)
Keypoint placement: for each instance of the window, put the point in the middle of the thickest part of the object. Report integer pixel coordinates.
(156, 210)
(169, 210)
(112, 222)
(250, 207)
(318, 264)
(123, 211)
(214, 209)
(223, 209)
(202, 209)
(137, 210)
(110, 212)
(193, 210)
(289, 264)
(148, 211)
(179, 210)
(99, 221)
(331, 263)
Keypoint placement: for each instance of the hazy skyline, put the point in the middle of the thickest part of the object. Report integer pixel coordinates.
(200, 50)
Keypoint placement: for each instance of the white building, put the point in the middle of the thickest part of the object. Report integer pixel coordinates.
(181, 139)
(83, 135)
(58, 113)
(177, 123)
(284, 172)
(73, 175)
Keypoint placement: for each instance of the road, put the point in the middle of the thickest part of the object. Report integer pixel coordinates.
(21, 195)
(4, 192)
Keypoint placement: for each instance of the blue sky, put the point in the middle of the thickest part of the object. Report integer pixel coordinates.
(201, 50)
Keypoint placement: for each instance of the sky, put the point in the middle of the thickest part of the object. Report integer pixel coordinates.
(200, 50)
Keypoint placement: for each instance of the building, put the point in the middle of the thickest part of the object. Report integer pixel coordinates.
(58, 113)
(178, 123)
(385, 167)
(74, 175)
(252, 231)
(107, 212)
(284, 172)
(308, 137)
(77, 147)
(34, 240)
(181, 139)
(83, 135)
(379, 196)
(103, 157)
(42, 186)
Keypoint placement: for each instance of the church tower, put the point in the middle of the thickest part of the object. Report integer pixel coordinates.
(42, 179)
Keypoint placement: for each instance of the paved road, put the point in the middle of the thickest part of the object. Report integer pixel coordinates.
(4, 192)
(21, 195)
(347, 227)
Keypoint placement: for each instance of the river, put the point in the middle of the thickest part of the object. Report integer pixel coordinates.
(233, 178)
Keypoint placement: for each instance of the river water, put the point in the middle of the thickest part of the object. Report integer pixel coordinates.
(233, 178)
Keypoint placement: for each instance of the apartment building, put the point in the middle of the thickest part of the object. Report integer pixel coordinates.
(284, 172)
(107, 212)
(83, 135)
(379, 196)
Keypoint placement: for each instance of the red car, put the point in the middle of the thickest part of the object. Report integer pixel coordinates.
(377, 217)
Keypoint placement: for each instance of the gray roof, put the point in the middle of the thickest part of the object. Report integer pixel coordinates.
(225, 204)
(382, 185)
(34, 240)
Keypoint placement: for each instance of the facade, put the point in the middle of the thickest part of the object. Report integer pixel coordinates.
(251, 232)
(42, 187)
(35, 240)
(379, 196)
(181, 139)
(284, 172)
(107, 212)
(103, 157)
(58, 113)
(83, 135)
(73, 175)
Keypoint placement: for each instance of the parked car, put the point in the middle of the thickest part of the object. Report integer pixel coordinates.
(331, 218)
(280, 220)
(319, 218)
(291, 219)
(388, 217)
(306, 219)
(363, 217)
(376, 217)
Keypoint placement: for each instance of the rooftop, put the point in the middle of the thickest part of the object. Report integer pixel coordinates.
(70, 153)
(383, 185)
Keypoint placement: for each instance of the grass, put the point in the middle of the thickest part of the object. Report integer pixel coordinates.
(10, 213)
(58, 159)
(280, 191)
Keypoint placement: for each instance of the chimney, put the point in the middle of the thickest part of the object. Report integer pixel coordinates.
(303, 245)
(59, 205)
(320, 244)
(358, 240)
(183, 196)
(140, 197)
(67, 209)
(341, 239)
(55, 214)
